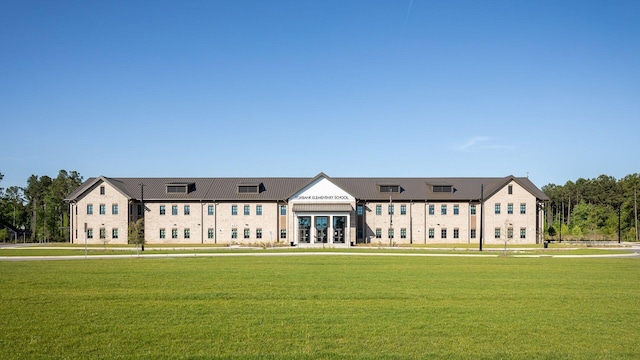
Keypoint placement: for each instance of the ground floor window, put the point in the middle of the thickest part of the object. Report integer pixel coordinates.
(443, 233)
(174, 233)
(432, 233)
(187, 233)
(523, 233)
(390, 233)
(114, 233)
(247, 233)
(473, 233)
(403, 233)
(283, 234)
(103, 233)
(378, 233)
(234, 233)
(89, 233)
(456, 233)
(163, 233)
(496, 233)
(210, 233)
(258, 233)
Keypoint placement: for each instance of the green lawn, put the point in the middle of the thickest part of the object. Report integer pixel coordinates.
(321, 307)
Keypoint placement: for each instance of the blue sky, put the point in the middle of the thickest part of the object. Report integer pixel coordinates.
(374, 88)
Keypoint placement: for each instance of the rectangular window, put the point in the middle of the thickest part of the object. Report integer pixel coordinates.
(89, 233)
(210, 233)
(443, 233)
(497, 209)
(389, 188)
(247, 209)
(258, 209)
(174, 233)
(283, 210)
(89, 209)
(523, 233)
(163, 209)
(523, 208)
(258, 233)
(210, 210)
(114, 233)
(390, 233)
(473, 233)
(442, 188)
(432, 209)
(163, 233)
(103, 209)
(509, 208)
(283, 234)
(390, 209)
(472, 209)
(101, 190)
(360, 210)
(456, 233)
(456, 209)
(443, 209)
(496, 233)
(187, 233)
(103, 233)
(510, 189)
(234, 233)
(403, 233)
(378, 209)
(510, 233)
(378, 233)
(359, 233)
(174, 209)
(187, 210)
(403, 209)
(247, 233)
(114, 209)
(234, 209)
(432, 233)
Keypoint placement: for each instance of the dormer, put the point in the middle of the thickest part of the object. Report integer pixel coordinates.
(386, 188)
(180, 188)
(249, 188)
(442, 188)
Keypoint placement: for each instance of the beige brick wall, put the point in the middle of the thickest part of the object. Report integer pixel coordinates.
(516, 220)
(96, 221)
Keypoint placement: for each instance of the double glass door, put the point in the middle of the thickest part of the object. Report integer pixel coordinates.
(317, 229)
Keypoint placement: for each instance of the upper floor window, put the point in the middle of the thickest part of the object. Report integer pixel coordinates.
(187, 210)
(258, 209)
(509, 208)
(510, 189)
(523, 208)
(247, 209)
(234, 209)
(472, 209)
(390, 210)
(101, 190)
(497, 209)
(163, 209)
(283, 210)
(210, 210)
(360, 209)
(432, 209)
(103, 209)
(456, 209)
(443, 209)
(403, 209)
(174, 209)
(114, 209)
(89, 209)
(378, 209)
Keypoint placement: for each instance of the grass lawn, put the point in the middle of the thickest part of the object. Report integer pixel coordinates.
(321, 307)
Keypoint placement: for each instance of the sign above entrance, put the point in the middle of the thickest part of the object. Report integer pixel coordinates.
(320, 197)
(322, 190)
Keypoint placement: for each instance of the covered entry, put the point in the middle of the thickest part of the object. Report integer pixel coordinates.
(322, 223)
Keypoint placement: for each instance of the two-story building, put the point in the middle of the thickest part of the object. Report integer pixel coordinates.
(308, 211)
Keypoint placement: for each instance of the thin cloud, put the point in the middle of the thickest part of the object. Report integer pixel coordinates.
(472, 143)
(481, 143)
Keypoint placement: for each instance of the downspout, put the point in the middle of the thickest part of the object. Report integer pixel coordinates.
(426, 212)
(201, 221)
(411, 222)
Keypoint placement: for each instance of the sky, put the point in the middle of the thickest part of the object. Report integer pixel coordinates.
(374, 88)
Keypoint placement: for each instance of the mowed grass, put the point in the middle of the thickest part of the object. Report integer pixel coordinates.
(321, 307)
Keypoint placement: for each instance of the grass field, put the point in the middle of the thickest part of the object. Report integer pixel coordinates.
(321, 307)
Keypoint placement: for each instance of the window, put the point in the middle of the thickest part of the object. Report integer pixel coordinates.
(432, 209)
(496, 233)
(258, 209)
(523, 233)
(283, 210)
(247, 209)
(114, 233)
(403, 209)
(510, 233)
(523, 208)
(89, 233)
(443, 209)
(283, 234)
(360, 210)
(456, 209)
(234, 233)
(89, 209)
(432, 233)
(390, 209)
(187, 210)
(359, 233)
(378, 209)
(497, 209)
(247, 233)
(248, 188)
(389, 188)
(472, 209)
(456, 233)
(163, 233)
(163, 209)
(103, 209)
(187, 233)
(103, 233)
(174, 209)
(378, 233)
(177, 189)
(114, 209)
(442, 188)
(234, 209)
(101, 190)
(174, 233)
(403, 233)
(390, 233)
(258, 233)
(473, 233)
(510, 189)
(509, 208)
(443, 233)
(210, 210)
(139, 210)
(210, 233)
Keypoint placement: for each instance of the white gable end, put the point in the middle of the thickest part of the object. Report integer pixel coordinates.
(322, 190)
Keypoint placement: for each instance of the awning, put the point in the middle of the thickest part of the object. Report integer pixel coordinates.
(322, 207)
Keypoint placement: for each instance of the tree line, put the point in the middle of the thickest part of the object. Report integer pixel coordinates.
(593, 209)
(587, 209)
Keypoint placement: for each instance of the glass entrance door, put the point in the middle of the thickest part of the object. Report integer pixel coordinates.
(304, 226)
(338, 229)
(322, 223)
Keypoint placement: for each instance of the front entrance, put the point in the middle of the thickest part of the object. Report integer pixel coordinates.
(322, 224)
(322, 229)
(304, 226)
(338, 229)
